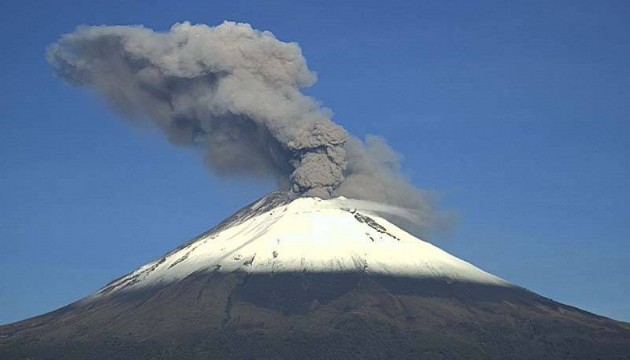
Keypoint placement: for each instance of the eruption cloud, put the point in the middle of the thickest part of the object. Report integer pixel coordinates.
(235, 92)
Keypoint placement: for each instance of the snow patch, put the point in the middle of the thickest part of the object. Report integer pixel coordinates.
(279, 234)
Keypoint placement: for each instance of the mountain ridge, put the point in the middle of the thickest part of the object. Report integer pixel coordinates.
(314, 299)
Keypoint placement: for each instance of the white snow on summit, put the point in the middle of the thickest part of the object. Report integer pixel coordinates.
(306, 234)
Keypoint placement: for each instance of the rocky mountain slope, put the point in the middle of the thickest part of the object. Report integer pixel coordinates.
(308, 278)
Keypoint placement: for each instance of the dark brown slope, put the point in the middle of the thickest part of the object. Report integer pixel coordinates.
(317, 316)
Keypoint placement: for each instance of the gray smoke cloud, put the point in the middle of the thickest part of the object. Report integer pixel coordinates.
(234, 92)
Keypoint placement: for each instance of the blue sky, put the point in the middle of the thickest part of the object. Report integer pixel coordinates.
(515, 113)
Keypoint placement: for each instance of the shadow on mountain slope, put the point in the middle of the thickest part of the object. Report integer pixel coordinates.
(317, 316)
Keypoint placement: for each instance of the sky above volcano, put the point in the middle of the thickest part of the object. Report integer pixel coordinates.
(514, 114)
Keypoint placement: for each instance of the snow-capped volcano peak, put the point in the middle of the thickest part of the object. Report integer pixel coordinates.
(306, 277)
(281, 234)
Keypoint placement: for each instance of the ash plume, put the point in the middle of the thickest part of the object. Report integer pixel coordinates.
(234, 92)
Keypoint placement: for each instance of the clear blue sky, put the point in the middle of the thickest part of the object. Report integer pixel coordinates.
(515, 112)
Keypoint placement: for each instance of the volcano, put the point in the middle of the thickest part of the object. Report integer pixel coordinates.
(289, 278)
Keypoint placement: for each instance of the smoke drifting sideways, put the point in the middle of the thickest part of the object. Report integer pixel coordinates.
(234, 92)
